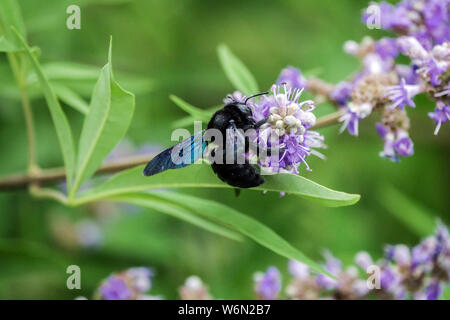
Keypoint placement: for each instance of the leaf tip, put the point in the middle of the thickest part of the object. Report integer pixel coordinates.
(110, 50)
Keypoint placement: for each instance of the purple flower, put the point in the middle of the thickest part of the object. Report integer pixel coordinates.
(396, 143)
(422, 254)
(363, 260)
(298, 270)
(444, 92)
(412, 48)
(287, 130)
(374, 64)
(333, 266)
(440, 115)
(392, 17)
(355, 113)
(409, 73)
(433, 290)
(261, 109)
(401, 255)
(141, 277)
(382, 130)
(237, 96)
(396, 17)
(292, 77)
(389, 278)
(268, 285)
(437, 19)
(404, 146)
(115, 288)
(387, 48)
(342, 92)
(194, 289)
(434, 69)
(401, 95)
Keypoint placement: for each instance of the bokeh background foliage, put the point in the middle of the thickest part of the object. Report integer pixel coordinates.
(169, 47)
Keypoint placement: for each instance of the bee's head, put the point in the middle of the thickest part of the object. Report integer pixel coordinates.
(244, 108)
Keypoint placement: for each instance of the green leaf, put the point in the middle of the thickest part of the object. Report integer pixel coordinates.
(189, 120)
(7, 46)
(176, 211)
(10, 15)
(233, 219)
(196, 113)
(201, 176)
(446, 293)
(71, 98)
(238, 74)
(109, 117)
(67, 71)
(60, 121)
(412, 214)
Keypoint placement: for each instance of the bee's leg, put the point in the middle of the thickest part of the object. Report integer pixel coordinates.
(261, 122)
(237, 191)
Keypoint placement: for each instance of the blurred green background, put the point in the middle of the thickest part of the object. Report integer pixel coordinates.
(169, 47)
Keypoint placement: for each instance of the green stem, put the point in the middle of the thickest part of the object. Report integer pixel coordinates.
(19, 75)
(46, 193)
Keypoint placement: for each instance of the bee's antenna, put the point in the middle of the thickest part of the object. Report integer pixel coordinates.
(256, 95)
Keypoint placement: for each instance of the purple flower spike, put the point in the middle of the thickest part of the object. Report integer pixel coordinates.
(401, 95)
(440, 115)
(395, 143)
(237, 96)
(423, 253)
(434, 69)
(412, 48)
(445, 92)
(404, 146)
(392, 17)
(141, 277)
(433, 290)
(355, 113)
(298, 270)
(268, 285)
(115, 288)
(408, 73)
(363, 260)
(287, 128)
(437, 19)
(387, 48)
(402, 255)
(292, 77)
(342, 92)
(333, 266)
(382, 130)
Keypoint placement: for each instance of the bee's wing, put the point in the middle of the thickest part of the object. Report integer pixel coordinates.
(180, 155)
(235, 141)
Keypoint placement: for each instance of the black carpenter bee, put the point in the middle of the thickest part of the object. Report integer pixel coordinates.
(234, 117)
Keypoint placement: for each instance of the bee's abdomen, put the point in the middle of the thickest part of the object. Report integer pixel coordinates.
(238, 175)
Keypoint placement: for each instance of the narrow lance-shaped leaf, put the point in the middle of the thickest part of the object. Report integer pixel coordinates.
(109, 117)
(201, 176)
(412, 214)
(196, 113)
(177, 211)
(248, 226)
(60, 121)
(238, 74)
(67, 71)
(8, 46)
(189, 120)
(71, 98)
(10, 16)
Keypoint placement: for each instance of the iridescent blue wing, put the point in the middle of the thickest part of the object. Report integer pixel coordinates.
(180, 155)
